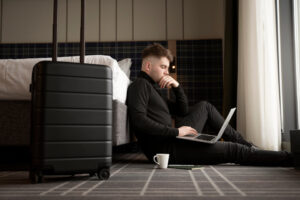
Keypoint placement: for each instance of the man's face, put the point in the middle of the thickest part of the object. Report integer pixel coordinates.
(158, 68)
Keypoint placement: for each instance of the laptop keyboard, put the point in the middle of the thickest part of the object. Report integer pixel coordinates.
(206, 137)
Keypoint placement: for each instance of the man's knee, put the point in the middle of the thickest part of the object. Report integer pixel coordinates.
(201, 105)
(237, 153)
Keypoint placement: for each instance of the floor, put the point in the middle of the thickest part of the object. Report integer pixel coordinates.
(133, 177)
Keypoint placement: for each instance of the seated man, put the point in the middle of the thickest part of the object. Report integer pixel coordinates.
(150, 118)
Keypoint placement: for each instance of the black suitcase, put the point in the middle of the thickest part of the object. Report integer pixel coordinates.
(71, 118)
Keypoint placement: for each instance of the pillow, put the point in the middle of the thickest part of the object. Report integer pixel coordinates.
(125, 65)
(120, 80)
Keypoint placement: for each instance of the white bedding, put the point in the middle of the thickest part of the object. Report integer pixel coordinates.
(15, 76)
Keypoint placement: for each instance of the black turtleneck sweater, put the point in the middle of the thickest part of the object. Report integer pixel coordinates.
(150, 114)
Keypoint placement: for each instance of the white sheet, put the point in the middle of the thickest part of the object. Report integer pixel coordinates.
(15, 76)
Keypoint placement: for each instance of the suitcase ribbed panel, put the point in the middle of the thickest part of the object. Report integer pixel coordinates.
(70, 166)
(74, 100)
(75, 116)
(74, 69)
(77, 149)
(74, 84)
(77, 133)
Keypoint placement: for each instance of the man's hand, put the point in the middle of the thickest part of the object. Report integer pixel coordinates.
(168, 81)
(186, 130)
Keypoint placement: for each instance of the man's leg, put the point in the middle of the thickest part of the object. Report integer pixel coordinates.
(203, 113)
(191, 152)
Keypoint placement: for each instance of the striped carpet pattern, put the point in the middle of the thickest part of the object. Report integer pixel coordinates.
(134, 178)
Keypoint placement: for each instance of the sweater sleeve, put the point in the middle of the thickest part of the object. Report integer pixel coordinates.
(137, 101)
(179, 104)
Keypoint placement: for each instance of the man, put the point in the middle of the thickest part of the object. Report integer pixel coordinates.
(150, 118)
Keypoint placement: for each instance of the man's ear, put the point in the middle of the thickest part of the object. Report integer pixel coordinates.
(147, 66)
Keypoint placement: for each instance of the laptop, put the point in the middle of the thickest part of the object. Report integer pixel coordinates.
(206, 138)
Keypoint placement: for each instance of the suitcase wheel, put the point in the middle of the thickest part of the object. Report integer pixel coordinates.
(36, 177)
(103, 174)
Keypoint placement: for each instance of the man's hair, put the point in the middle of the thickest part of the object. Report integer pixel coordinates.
(157, 50)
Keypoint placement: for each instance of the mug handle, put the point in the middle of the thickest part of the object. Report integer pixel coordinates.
(155, 159)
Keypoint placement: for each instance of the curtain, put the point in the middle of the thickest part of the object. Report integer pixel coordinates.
(258, 111)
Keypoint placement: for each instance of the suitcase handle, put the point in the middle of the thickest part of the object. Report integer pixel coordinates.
(54, 34)
(82, 41)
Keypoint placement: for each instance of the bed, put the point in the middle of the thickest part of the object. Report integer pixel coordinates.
(15, 78)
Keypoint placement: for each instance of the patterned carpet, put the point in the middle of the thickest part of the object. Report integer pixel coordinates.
(132, 177)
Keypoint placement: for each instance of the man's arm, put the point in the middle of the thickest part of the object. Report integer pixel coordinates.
(179, 105)
(137, 102)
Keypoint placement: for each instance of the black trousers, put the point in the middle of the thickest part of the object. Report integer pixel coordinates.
(234, 149)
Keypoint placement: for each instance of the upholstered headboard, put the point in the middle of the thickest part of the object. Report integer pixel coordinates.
(199, 62)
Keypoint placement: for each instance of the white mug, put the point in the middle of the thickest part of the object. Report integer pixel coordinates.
(162, 160)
